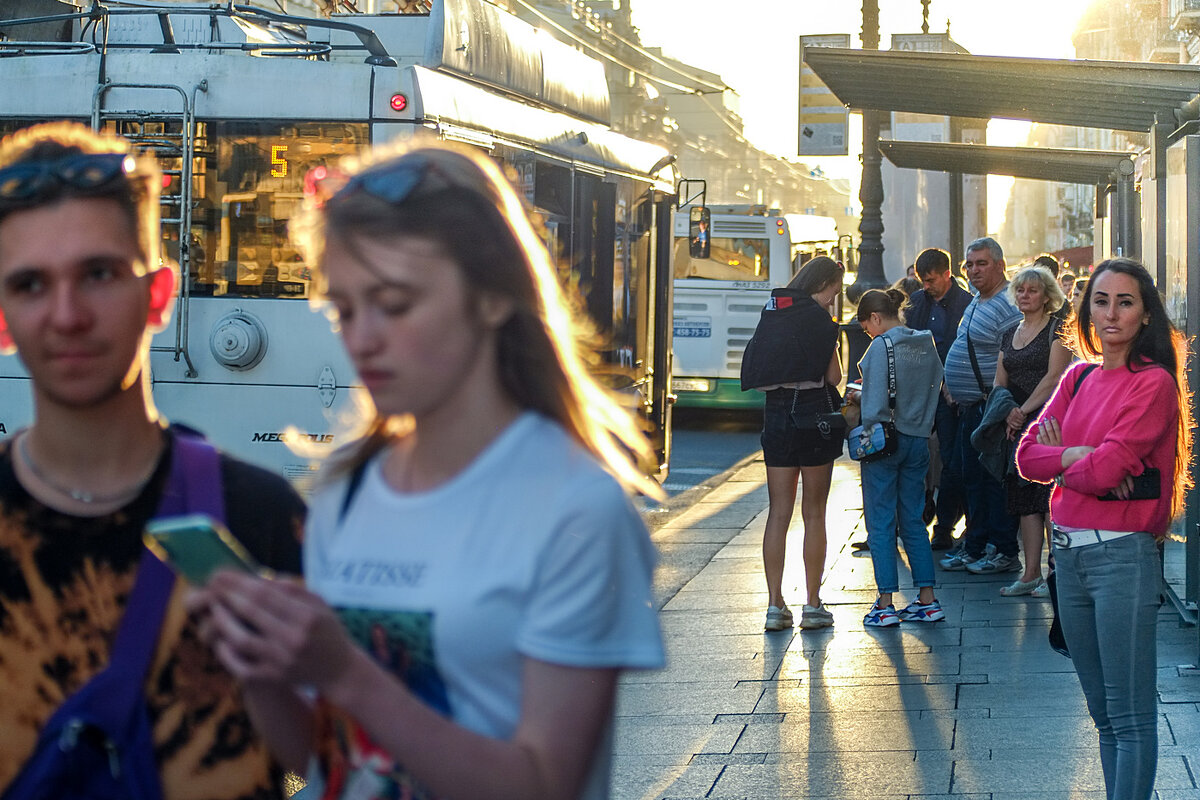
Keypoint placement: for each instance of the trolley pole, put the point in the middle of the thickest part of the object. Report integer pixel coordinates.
(870, 190)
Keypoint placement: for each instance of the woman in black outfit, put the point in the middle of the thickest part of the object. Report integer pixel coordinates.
(1032, 359)
(793, 358)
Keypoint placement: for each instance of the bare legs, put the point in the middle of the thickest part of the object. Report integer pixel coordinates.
(1033, 534)
(781, 493)
(781, 496)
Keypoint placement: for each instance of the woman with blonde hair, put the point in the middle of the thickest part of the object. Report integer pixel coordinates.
(1115, 439)
(1032, 359)
(479, 533)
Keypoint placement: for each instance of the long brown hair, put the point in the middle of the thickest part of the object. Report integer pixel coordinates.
(462, 201)
(1158, 343)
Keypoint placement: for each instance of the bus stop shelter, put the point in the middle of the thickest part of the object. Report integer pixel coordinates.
(1110, 171)
(1155, 99)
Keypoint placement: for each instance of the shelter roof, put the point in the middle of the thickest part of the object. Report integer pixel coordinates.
(1040, 163)
(1129, 96)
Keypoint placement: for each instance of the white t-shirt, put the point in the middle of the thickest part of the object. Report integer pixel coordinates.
(531, 551)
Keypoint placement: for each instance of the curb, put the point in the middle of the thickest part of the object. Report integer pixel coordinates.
(656, 515)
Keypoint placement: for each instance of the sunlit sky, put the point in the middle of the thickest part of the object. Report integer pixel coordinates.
(754, 46)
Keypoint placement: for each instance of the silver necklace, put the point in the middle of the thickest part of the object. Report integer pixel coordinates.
(1029, 337)
(81, 495)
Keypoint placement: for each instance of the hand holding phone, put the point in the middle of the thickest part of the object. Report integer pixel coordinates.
(1147, 486)
(196, 546)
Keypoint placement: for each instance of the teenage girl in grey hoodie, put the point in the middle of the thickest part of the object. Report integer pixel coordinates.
(894, 487)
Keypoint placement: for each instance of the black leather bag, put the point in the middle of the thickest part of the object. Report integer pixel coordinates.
(828, 424)
(1058, 642)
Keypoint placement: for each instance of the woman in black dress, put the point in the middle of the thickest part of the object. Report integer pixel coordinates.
(1032, 358)
(793, 358)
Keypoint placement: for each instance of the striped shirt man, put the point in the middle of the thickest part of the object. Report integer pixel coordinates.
(982, 323)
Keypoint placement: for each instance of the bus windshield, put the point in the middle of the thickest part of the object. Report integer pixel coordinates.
(251, 188)
(731, 259)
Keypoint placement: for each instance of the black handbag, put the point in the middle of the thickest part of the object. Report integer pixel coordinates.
(829, 425)
(1058, 642)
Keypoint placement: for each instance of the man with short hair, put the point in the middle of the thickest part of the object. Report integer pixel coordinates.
(991, 539)
(1049, 262)
(938, 308)
(82, 290)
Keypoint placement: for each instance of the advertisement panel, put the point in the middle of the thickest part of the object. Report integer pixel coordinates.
(824, 119)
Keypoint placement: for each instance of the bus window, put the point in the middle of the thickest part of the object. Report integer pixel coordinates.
(730, 259)
(252, 187)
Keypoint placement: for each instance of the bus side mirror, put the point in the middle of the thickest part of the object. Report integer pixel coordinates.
(699, 221)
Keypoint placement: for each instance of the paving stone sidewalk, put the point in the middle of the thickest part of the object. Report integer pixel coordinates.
(977, 706)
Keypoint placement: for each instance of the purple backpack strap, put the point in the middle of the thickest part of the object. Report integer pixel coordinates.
(193, 486)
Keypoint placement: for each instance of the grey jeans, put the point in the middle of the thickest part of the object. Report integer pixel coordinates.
(1108, 598)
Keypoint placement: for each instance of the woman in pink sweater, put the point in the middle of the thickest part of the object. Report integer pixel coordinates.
(1100, 439)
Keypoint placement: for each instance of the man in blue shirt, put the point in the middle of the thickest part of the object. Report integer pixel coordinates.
(938, 308)
(970, 372)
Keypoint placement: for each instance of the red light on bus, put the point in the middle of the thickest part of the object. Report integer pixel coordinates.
(399, 102)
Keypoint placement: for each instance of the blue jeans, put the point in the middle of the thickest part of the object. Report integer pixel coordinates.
(1108, 596)
(893, 499)
(950, 486)
(988, 520)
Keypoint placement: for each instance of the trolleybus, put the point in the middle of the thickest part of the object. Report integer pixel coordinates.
(718, 299)
(239, 103)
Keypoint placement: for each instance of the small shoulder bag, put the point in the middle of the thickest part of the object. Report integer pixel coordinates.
(828, 424)
(878, 440)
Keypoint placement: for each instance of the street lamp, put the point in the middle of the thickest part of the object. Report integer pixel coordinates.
(870, 189)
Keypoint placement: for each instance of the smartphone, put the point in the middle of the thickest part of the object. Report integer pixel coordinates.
(1147, 486)
(196, 546)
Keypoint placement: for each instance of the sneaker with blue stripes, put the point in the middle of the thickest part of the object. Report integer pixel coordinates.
(916, 611)
(881, 616)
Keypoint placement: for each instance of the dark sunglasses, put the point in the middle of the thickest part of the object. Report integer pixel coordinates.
(393, 182)
(89, 173)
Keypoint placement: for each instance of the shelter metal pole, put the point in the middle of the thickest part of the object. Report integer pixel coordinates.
(956, 222)
(1191, 289)
(1124, 224)
(955, 200)
(1159, 135)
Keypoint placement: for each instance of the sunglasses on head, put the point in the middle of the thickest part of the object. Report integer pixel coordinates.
(393, 182)
(84, 173)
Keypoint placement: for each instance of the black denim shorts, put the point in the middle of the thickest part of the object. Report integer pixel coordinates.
(785, 445)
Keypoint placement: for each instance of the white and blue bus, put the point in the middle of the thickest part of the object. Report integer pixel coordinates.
(239, 103)
(718, 299)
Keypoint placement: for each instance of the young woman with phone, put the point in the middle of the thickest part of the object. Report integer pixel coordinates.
(893, 487)
(1105, 428)
(477, 576)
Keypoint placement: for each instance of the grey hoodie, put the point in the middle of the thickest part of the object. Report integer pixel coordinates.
(918, 381)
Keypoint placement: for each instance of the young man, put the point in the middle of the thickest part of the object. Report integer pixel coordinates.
(938, 308)
(82, 291)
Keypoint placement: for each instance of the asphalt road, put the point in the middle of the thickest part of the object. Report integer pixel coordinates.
(706, 443)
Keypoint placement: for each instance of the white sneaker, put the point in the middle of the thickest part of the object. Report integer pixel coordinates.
(778, 618)
(812, 617)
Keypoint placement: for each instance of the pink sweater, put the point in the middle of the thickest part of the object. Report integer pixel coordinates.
(1131, 419)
